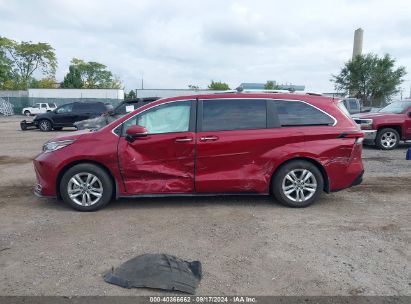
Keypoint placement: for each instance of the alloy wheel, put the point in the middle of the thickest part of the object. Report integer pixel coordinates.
(388, 140)
(299, 185)
(85, 189)
(45, 125)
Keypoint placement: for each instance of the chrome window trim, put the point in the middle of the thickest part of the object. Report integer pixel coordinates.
(281, 99)
(230, 98)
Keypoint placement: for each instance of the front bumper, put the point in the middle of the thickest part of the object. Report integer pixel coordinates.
(369, 135)
(46, 174)
(25, 125)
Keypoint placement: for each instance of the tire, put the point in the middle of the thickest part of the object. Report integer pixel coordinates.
(297, 170)
(57, 128)
(45, 125)
(387, 139)
(27, 113)
(83, 175)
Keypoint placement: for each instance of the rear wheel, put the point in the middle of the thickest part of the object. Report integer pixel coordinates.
(27, 113)
(45, 125)
(387, 139)
(86, 187)
(298, 184)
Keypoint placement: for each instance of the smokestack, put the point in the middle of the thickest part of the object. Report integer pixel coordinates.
(358, 37)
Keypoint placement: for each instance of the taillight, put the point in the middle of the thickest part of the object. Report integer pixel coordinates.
(359, 136)
(359, 140)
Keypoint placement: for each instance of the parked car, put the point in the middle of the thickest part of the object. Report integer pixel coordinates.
(66, 115)
(292, 146)
(122, 109)
(387, 127)
(38, 108)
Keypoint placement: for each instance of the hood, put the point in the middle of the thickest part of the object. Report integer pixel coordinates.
(41, 115)
(70, 135)
(373, 115)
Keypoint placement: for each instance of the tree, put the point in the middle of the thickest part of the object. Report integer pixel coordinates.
(369, 78)
(130, 95)
(5, 69)
(271, 85)
(72, 80)
(26, 58)
(91, 75)
(218, 85)
(45, 83)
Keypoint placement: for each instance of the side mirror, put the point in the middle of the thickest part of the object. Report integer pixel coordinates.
(134, 132)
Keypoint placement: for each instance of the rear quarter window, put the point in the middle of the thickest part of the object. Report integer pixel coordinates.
(90, 107)
(297, 113)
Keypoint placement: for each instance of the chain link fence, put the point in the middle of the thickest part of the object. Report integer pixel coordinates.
(20, 100)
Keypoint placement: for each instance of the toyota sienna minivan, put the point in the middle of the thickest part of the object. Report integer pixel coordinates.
(290, 146)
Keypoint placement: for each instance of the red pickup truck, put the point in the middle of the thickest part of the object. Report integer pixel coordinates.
(387, 127)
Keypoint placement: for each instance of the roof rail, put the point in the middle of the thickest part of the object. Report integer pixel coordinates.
(241, 90)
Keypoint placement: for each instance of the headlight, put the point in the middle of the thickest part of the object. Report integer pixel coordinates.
(366, 124)
(56, 145)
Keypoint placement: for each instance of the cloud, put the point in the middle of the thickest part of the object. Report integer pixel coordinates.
(177, 43)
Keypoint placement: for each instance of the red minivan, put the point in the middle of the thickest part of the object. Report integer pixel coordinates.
(293, 146)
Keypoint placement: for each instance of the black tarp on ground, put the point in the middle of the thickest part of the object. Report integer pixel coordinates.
(160, 271)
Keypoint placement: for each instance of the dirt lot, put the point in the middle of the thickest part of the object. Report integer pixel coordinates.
(354, 242)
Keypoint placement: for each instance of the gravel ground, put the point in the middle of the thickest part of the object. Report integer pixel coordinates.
(353, 242)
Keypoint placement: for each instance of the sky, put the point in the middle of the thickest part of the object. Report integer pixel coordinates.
(172, 44)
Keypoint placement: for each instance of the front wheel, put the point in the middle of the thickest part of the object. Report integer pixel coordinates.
(387, 139)
(45, 125)
(86, 187)
(297, 184)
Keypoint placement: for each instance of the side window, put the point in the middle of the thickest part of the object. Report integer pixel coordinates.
(166, 118)
(297, 113)
(65, 109)
(81, 107)
(353, 104)
(234, 114)
(43, 105)
(346, 103)
(100, 107)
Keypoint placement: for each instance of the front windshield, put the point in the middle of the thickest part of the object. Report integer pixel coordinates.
(397, 107)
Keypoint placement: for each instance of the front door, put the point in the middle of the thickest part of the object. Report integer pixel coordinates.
(63, 115)
(162, 162)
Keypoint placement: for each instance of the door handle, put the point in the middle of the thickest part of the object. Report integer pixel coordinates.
(184, 139)
(209, 138)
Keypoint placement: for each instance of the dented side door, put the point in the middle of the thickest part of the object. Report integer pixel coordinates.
(159, 163)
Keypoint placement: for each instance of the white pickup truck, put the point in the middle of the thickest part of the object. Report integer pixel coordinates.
(39, 108)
